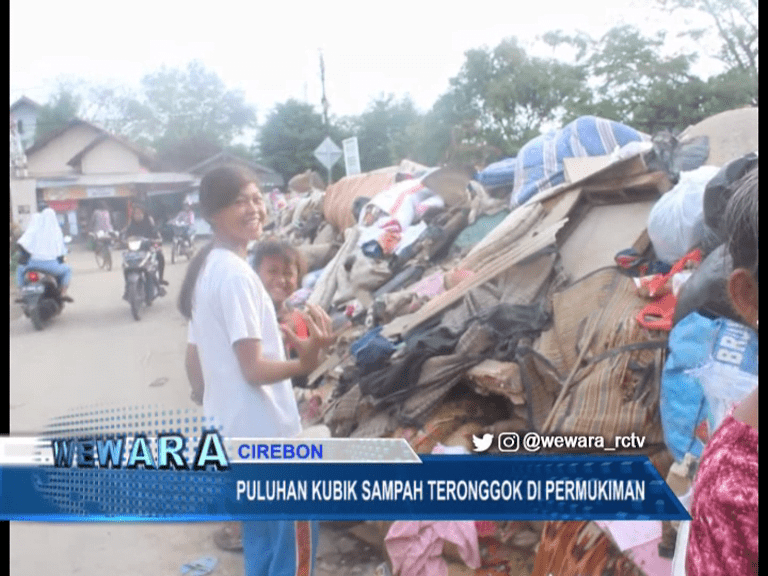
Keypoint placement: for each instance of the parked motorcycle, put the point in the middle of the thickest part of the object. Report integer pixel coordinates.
(142, 283)
(183, 242)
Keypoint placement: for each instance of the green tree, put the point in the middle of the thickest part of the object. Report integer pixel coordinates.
(185, 114)
(735, 26)
(289, 137)
(634, 83)
(385, 132)
(63, 107)
(637, 85)
(501, 97)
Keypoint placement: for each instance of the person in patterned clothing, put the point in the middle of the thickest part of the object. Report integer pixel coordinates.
(724, 526)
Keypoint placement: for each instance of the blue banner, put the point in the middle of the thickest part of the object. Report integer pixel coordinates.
(479, 487)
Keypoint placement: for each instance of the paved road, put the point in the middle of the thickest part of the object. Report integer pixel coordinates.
(95, 352)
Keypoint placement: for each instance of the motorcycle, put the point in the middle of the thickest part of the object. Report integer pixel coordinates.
(40, 298)
(183, 242)
(102, 244)
(140, 268)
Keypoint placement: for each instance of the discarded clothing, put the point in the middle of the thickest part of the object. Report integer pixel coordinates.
(416, 548)
(371, 350)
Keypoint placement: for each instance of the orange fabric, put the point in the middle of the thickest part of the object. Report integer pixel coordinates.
(299, 326)
(303, 548)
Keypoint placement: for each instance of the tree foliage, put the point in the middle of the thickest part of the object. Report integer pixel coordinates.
(632, 81)
(735, 25)
(500, 98)
(63, 107)
(503, 96)
(289, 137)
(186, 114)
(384, 132)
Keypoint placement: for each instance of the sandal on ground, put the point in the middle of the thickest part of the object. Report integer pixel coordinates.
(200, 567)
(229, 537)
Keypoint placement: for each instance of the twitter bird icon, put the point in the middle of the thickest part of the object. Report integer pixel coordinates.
(482, 444)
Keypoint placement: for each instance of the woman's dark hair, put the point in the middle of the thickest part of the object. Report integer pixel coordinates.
(741, 223)
(272, 247)
(218, 189)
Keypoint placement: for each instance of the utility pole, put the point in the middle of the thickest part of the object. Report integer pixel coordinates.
(324, 101)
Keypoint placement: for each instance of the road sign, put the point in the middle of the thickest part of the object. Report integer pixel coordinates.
(328, 153)
(351, 155)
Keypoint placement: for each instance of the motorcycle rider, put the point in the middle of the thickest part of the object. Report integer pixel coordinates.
(185, 220)
(43, 249)
(142, 224)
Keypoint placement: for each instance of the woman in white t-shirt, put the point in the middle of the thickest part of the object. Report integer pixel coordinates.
(236, 356)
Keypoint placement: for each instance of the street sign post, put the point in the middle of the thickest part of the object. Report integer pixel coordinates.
(351, 156)
(328, 153)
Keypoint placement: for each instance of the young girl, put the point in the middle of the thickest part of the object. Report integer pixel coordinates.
(236, 354)
(724, 518)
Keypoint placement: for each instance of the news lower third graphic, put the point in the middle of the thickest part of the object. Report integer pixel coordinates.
(146, 463)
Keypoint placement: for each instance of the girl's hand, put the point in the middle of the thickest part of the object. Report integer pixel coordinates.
(320, 336)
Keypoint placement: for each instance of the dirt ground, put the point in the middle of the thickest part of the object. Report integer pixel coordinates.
(96, 352)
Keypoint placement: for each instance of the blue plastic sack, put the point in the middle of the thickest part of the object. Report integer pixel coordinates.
(691, 399)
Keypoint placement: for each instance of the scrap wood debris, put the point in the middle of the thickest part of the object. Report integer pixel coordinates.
(510, 299)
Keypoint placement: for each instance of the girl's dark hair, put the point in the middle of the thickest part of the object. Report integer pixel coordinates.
(218, 189)
(274, 247)
(741, 223)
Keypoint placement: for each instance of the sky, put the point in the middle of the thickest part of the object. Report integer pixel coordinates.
(270, 50)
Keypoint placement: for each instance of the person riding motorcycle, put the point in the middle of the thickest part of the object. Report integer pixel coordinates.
(43, 248)
(185, 220)
(143, 225)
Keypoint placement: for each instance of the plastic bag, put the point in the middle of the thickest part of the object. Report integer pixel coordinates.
(712, 364)
(676, 222)
(724, 386)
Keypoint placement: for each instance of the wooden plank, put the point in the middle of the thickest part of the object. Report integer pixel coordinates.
(561, 206)
(509, 230)
(642, 243)
(602, 233)
(649, 179)
(577, 169)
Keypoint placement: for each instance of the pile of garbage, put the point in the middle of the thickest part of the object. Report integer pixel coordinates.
(577, 289)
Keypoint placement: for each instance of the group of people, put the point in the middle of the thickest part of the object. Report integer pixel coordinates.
(42, 245)
(245, 347)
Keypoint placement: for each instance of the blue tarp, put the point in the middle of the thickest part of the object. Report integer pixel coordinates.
(539, 164)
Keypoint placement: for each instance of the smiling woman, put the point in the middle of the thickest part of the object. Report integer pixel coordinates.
(236, 359)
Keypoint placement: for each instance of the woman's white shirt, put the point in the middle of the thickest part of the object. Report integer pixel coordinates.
(230, 303)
